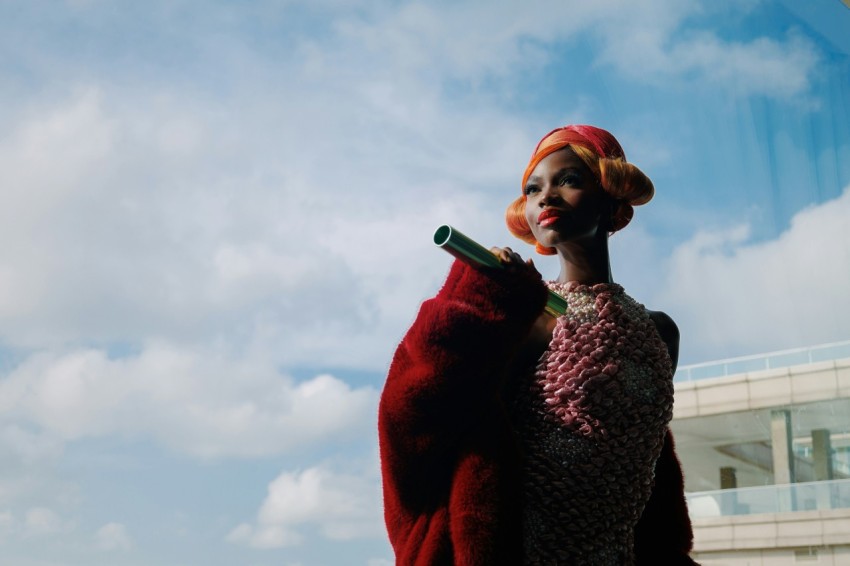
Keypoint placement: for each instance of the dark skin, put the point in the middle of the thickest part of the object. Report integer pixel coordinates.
(568, 210)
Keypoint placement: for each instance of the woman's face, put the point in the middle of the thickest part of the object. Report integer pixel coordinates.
(564, 201)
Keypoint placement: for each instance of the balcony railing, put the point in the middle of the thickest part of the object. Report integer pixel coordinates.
(810, 496)
(772, 360)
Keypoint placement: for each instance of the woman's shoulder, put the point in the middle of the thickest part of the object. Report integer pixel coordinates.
(666, 326)
(669, 333)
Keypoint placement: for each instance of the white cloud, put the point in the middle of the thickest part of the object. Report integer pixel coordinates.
(113, 536)
(25, 448)
(7, 523)
(653, 42)
(196, 402)
(762, 66)
(28, 462)
(734, 297)
(39, 521)
(340, 505)
(298, 231)
(266, 536)
(139, 244)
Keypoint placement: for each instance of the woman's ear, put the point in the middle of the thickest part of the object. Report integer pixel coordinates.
(606, 222)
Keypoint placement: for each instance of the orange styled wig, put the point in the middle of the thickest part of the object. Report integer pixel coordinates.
(602, 154)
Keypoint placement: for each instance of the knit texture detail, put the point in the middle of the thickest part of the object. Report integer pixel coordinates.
(591, 426)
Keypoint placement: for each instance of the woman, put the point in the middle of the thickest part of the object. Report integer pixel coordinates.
(511, 437)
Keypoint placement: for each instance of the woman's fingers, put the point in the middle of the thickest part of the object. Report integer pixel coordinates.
(506, 255)
(509, 258)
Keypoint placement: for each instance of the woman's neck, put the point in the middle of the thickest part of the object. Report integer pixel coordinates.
(585, 262)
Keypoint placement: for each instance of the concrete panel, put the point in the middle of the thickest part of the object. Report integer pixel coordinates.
(819, 385)
(715, 537)
(836, 528)
(775, 534)
(842, 374)
(800, 533)
(754, 535)
(770, 392)
(685, 403)
(723, 398)
(734, 558)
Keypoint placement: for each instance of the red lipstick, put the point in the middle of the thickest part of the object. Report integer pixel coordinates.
(548, 217)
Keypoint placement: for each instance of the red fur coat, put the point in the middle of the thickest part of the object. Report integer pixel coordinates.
(448, 454)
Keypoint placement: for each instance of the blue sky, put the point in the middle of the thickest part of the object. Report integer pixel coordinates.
(215, 226)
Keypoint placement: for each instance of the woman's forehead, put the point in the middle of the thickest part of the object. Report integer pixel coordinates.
(564, 157)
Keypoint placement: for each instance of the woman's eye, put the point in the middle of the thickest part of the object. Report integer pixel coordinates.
(531, 189)
(569, 180)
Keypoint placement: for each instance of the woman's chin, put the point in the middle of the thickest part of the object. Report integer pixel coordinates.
(550, 240)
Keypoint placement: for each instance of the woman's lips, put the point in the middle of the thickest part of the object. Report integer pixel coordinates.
(549, 217)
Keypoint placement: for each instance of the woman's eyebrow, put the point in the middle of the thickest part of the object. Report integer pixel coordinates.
(567, 169)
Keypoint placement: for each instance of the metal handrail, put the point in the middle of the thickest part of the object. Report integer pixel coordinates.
(687, 372)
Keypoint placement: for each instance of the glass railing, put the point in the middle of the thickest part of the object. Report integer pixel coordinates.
(772, 360)
(810, 496)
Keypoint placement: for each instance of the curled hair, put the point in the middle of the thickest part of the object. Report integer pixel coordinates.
(627, 186)
(624, 181)
(518, 226)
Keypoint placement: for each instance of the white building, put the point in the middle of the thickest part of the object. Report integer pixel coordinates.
(765, 447)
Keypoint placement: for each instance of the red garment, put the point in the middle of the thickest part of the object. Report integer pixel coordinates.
(448, 453)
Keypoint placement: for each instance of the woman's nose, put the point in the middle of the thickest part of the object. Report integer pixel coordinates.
(549, 194)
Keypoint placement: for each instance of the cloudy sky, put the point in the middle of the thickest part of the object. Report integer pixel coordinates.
(215, 226)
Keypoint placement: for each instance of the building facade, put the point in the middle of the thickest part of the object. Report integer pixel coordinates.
(765, 447)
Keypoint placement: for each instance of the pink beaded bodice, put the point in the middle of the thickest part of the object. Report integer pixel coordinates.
(591, 425)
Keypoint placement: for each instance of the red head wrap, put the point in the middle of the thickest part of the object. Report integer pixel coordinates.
(599, 141)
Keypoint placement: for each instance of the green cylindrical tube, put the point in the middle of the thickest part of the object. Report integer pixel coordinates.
(466, 249)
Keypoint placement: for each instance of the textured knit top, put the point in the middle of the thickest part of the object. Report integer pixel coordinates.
(591, 425)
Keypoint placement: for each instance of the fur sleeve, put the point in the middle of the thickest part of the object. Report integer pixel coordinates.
(443, 383)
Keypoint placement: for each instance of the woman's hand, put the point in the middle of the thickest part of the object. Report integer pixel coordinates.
(511, 260)
(540, 333)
